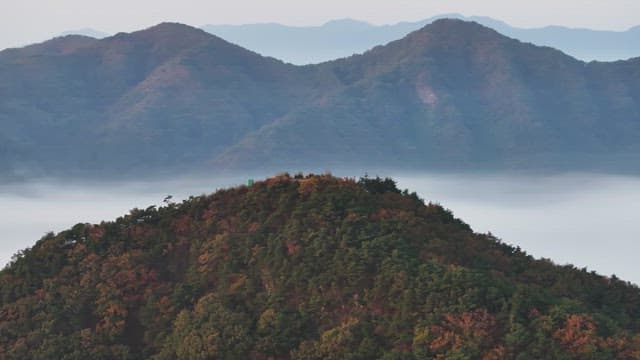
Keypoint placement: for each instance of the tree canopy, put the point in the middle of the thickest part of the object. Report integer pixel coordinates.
(311, 267)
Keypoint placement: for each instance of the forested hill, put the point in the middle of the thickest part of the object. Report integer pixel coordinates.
(457, 95)
(311, 267)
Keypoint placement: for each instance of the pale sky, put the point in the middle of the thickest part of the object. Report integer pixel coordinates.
(27, 21)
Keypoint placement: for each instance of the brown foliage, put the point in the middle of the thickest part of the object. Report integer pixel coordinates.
(457, 329)
(578, 335)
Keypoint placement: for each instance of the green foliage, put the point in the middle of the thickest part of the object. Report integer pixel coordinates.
(309, 267)
(378, 185)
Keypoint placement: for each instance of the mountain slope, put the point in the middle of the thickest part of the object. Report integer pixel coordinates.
(345, 37)
(453, 95)
(310, 45)
(167, 95)
(304, 268)
(457, 94)
(96, 34)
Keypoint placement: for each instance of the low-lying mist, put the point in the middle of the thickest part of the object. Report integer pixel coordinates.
(31, 210)
(587, 220)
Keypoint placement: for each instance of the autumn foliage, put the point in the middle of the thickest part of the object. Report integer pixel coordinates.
(305, 267)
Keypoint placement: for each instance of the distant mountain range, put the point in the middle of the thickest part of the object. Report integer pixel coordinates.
(342, 38)
(335, 39)
(96, 34)
(452, 95)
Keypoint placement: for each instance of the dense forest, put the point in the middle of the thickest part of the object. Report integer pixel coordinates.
(304, 267)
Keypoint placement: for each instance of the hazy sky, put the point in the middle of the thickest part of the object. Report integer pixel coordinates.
(28, 21)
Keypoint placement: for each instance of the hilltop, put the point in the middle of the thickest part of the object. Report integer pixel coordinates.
(304, 267)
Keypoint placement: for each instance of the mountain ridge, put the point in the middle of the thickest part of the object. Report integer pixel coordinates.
(451, 95)
(583, 43)
(479, 52)
(130, 76)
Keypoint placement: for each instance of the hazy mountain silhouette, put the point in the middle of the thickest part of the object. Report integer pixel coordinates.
(454, 94)
(313, 44)
(163, 96)
(96, 34)
(345, 37)
(457, 94)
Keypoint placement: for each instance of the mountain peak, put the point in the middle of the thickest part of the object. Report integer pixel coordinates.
(172, 26)
(347, 23)
(443, 36)
(174, 29)
(167, 32)
(64, 44)
(457, 26)
(448, 34)
(167, 38)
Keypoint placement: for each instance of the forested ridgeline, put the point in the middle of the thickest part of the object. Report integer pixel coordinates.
(304, 267)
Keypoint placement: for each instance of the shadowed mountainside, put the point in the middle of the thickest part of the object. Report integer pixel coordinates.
(459, 95)
(454, 95)
(164, 96)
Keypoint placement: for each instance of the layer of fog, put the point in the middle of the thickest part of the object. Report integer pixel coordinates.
(29, 211)
(587, 220)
